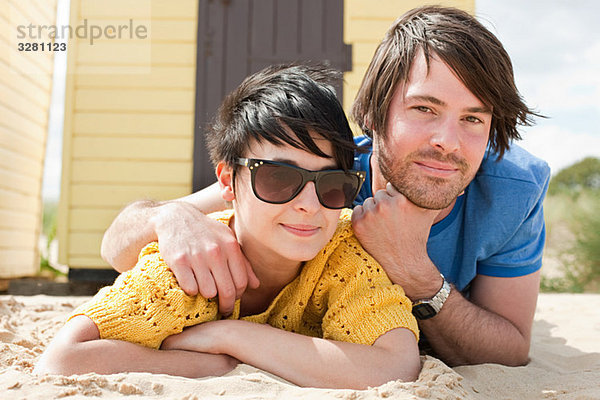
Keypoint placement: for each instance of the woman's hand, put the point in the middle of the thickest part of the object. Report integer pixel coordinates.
(209, 337)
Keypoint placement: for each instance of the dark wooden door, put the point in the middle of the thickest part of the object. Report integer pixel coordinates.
(239, 37)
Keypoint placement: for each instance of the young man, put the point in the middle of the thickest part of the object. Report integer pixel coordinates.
(451, 208)
(325, 314)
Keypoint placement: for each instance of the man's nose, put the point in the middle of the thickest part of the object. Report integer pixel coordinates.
(445, 138)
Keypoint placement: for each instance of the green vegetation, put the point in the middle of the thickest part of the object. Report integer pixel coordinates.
(49, 223)
(580, 176)
(573, 229)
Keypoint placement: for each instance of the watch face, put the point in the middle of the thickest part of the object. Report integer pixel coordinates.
(423, 311)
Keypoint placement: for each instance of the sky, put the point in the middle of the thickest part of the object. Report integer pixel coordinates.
(555, 49)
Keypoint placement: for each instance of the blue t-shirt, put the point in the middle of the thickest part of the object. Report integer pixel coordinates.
(496, 227)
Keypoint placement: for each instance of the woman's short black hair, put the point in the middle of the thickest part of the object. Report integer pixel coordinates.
(299, 97)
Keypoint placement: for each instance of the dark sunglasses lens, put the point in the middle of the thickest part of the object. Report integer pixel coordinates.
(337, 189)
(276, 183)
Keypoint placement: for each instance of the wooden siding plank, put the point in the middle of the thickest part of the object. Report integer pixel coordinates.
(184, 8)
(12, 219)
(22, 84)
(18, 123)
(155, 31)
(96, 197)
(181, 101)
(368, 30)
(18, 262)
(20, 104)
(159, 149)
(21, 164)
(114, 54)
(363, 53)
(91, 262)
(92, 219)
(17, 239)
(17, 201)
(11, 140)
(18, 182)
(22, 13)
(85, 243)
(135, 9)
(175, 30)
(139, 125)
(158, 77)
(16, 62)
(138, 172)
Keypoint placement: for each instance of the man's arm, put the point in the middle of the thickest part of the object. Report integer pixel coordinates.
(203, 253)
(77, 349)
(493, 326)
(304, 360)
(136, 224)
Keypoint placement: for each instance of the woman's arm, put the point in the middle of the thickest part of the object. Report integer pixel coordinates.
(77, 349)
(304, 360)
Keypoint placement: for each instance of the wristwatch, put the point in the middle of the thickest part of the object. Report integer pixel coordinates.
(428, 308)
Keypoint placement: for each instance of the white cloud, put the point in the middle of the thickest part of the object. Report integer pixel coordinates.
(558, 147)
(555, 49)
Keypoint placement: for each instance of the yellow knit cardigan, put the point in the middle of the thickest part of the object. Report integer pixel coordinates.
(341, 294)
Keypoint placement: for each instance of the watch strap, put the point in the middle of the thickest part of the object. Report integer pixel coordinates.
(428, 308)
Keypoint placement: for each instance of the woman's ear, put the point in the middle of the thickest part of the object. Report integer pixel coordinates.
(225, 178)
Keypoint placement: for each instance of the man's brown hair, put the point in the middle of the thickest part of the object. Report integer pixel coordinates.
(473, 53)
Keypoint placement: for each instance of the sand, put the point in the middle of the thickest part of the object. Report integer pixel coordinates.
(565, 364)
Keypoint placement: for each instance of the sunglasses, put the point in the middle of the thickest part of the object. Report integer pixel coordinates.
(277, 183)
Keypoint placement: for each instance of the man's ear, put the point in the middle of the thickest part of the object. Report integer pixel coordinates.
(225, 178)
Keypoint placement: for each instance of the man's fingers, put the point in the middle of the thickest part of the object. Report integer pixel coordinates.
(206, 283)
(185, 278)
(238, 272)
(253, 281)
(392, 191)
(225, 287)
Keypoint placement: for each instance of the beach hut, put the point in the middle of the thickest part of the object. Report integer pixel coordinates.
(26, 66)
(138, 95)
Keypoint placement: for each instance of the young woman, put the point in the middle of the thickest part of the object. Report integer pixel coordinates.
(325, 313)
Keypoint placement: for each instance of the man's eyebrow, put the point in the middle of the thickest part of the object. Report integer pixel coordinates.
(438, 102)
(428, 99)
(480, 110)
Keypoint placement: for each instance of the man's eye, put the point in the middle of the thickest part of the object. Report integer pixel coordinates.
(473, 119)
(423, 108)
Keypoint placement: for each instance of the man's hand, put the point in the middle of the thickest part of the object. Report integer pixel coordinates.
(395, 231)
(203, 254)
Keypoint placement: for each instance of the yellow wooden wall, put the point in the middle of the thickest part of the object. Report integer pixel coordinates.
(25, 88)
(129, 118)
(130, 135)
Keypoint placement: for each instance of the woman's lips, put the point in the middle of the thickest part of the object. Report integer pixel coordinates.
(300, 229)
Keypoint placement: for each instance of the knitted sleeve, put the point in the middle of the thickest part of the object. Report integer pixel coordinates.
(145, 305)
(362, 303)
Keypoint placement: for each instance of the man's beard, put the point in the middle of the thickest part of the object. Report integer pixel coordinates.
(425, 191)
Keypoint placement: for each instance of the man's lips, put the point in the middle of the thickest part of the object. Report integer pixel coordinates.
(301, 229)
(437, 168)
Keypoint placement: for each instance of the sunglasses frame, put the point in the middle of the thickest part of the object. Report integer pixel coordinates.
(307, 176)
